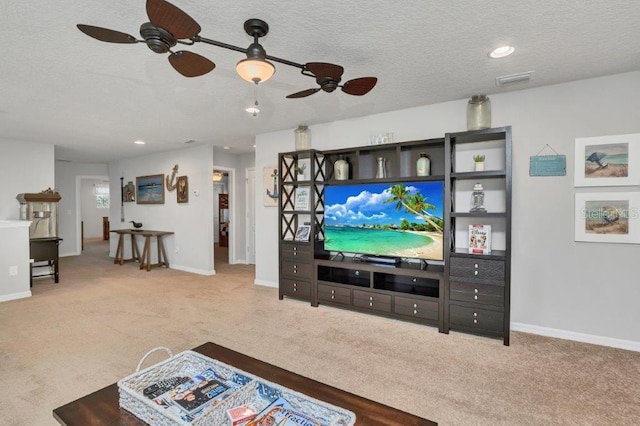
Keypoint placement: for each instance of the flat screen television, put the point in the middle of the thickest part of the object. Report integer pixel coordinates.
(398, 220)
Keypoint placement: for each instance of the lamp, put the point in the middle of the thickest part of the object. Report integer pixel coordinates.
(217, 176)
(256, 68)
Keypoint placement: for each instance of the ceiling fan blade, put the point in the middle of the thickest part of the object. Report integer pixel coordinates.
(303, 94)
(105, 34)
(168, 17)
(359, 86)
(323, 69)
(190, 64)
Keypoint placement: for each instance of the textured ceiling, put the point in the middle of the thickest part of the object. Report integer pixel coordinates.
(93, 99)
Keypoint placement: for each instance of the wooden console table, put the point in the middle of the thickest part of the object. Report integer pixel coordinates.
(145, 259)
(102, 407)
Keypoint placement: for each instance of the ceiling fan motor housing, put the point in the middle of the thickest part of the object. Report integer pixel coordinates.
(157, 39)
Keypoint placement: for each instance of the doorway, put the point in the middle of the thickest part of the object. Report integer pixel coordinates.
(223, 215)
(92, 207)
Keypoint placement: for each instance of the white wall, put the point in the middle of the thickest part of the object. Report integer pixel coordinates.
(191, 247)
(584, 291)
(24, 167)
(14, 254)
(67, 177)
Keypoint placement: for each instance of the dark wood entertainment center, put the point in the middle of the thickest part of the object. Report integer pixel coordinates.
(466, 292)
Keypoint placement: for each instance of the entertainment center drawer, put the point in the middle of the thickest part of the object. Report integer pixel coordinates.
(295, 250)
(296, 269)
(479, 293)
(416, 308)
(480, 319)
(473, 269)
(295, 288)
(374, 301)
(334, 294)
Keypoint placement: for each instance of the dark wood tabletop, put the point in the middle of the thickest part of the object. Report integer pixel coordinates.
(102, 407)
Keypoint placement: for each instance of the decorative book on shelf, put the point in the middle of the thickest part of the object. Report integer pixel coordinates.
(480, 239)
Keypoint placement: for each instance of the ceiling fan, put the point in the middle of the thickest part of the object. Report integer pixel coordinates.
(170, 26)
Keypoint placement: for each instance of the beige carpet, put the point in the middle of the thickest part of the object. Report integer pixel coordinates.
(93, 327)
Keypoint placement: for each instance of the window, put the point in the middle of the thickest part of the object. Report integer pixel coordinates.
(101, 192)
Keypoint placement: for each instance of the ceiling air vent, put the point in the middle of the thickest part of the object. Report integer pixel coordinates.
(522, 77)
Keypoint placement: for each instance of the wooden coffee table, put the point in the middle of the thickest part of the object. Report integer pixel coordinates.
(102, 407)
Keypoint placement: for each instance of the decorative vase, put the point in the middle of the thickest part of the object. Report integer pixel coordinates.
(479, 112)
(423, 165)
(341, 169)
(303, 138)
(381, 172)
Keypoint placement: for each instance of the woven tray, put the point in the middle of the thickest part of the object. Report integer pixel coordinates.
(256, 391)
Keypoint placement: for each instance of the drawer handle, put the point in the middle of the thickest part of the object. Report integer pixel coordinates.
(415, 305)
(333, 296)
(475, 290)
(415, 312)
(357, 273)
(476, 266)
(413, 280)
(295, 284)
(371, 304)
(475, 314)
(475, 297)
(371, 298)
(295, 254)
(475, 272)
(475, 321)
(333, 292)
(295, 289)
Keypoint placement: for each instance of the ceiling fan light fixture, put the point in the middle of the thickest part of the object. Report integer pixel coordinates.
(255, 70)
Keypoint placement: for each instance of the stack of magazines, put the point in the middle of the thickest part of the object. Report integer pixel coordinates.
(188, 397)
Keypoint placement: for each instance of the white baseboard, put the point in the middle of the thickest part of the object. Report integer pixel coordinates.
(14, 296)
(266, 283)
(68, 254)
(629, 345)
(193, 270)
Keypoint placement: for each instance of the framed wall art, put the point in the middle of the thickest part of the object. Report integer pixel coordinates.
(182, 193)
(612, 217)
(607, 160)
(271, 182)
(150, 189)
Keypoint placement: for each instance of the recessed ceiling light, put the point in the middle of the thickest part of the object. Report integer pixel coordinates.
(139, 142)
(501, 52)
(225, 147)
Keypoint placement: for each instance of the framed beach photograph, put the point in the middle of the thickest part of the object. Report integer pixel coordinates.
(150, 189)
(608, 217)
(182, 193)
(607, 160)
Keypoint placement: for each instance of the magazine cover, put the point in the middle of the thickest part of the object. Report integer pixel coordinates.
(192, 396)
(280, 416)
(480, 239)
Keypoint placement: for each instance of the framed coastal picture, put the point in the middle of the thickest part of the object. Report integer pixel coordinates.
(302, 198)
(607, 160)
(612, 217)
(150, 189)
(270, 181)
(182, 193)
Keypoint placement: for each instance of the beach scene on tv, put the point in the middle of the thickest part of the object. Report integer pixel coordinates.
(401, 220)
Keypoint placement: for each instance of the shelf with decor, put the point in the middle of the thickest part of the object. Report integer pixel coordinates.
(477, 298)
(452, 289)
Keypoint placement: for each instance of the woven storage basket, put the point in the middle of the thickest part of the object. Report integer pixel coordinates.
(258, 392)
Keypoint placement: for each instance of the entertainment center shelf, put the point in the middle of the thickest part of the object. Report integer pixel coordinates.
(466, 292)
(404, 291)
